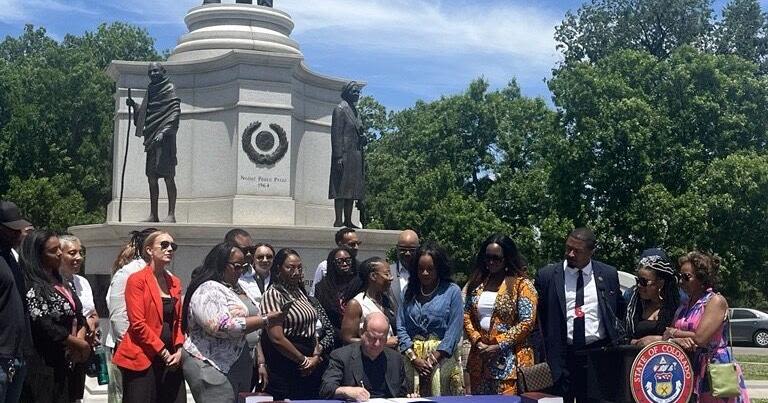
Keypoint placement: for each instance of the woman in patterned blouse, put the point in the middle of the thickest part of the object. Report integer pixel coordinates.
(217, 315)
(58, 325)
(499, 315)
(292, 350)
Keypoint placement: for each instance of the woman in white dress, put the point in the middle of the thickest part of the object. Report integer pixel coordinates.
(368, 293)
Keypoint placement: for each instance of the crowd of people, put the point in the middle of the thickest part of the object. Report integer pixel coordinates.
(369, 329)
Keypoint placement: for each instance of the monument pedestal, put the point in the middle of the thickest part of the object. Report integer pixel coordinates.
(253, 144)
(103, 242)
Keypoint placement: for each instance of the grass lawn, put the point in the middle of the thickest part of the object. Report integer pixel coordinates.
(758, 400)
(755, 367)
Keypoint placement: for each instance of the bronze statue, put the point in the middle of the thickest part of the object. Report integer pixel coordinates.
(157, 120)
(347, 179)
(267, 3)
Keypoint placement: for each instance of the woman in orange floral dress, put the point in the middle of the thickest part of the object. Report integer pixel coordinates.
(499, 315)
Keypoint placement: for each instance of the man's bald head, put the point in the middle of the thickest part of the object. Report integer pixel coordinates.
(375, 332)
(376, 322)
(407, 243)
(408, 236)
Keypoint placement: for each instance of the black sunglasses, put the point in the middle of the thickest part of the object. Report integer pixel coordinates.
(238, 265)
(343, 260)
(643, 282)
(686, 276)
(406, 249)
(494, 258)
(166, 244)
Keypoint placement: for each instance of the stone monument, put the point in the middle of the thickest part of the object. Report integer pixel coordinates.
(253, 143)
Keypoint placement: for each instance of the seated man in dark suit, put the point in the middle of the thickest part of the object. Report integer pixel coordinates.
(365, 370)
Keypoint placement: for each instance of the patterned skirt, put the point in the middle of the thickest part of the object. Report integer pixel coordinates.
(446, 380)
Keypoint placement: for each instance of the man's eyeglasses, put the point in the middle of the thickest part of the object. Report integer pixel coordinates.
(686, 276)
(343, 261)
(494, 258)
(238, 265)
(643, 282)
(406, 249)
(167, 244)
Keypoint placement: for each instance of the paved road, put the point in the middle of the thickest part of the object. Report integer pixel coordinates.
(757, 389)
(750, 350)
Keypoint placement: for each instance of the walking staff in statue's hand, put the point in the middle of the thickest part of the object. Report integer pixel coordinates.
(347, 179)
(157, 120)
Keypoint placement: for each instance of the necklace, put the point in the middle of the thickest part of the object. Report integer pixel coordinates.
(427, 295)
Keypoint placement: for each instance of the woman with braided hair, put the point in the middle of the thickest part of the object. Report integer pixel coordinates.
(654, 299)
(128, 261)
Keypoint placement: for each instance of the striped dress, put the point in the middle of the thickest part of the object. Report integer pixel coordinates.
(285, 379)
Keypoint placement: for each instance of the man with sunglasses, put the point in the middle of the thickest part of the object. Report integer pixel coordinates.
(344, 237)
(407, 243)
(249, 280)
(579, 300)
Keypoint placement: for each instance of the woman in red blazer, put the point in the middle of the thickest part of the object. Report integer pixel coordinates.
(149, 356)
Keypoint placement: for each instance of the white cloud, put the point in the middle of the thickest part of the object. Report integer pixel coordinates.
(429, 27)
(403, 27)
(13, 11)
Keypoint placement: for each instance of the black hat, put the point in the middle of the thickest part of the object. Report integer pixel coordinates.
(10, 216)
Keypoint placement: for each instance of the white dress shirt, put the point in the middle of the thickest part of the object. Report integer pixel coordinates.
(85, 294)
(399, 281)
(15, 255)
(593, 328)
(118, 315)
(322, 268)
(251, 287)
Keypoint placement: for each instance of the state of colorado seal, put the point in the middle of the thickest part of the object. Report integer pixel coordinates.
(661, 373)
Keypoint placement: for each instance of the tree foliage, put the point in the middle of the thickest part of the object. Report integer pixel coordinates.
(56, 120)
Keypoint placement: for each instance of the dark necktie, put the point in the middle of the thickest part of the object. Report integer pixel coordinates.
(260, 283)
(578, 320)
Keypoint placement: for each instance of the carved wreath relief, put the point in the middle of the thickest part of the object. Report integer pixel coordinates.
(265, 152)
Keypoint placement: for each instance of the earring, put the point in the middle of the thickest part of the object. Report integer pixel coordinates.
(661, 297)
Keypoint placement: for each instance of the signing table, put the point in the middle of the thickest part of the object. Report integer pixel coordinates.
(438, 399)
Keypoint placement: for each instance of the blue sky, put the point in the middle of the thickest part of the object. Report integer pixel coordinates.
(405, 50)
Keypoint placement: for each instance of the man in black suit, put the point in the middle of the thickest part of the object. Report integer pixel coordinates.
(361, 371)
(15, 334)
(579, 300)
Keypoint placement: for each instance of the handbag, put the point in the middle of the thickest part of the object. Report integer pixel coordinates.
(537, 377)
(724, 378)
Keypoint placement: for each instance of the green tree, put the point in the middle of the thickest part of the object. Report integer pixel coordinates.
(742, 31)
(56, 119)
(602, 27)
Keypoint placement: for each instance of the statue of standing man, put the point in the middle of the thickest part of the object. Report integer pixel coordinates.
(347, 178)
(157, 121)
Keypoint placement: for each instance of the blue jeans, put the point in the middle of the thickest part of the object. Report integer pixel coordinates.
(10, 391)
